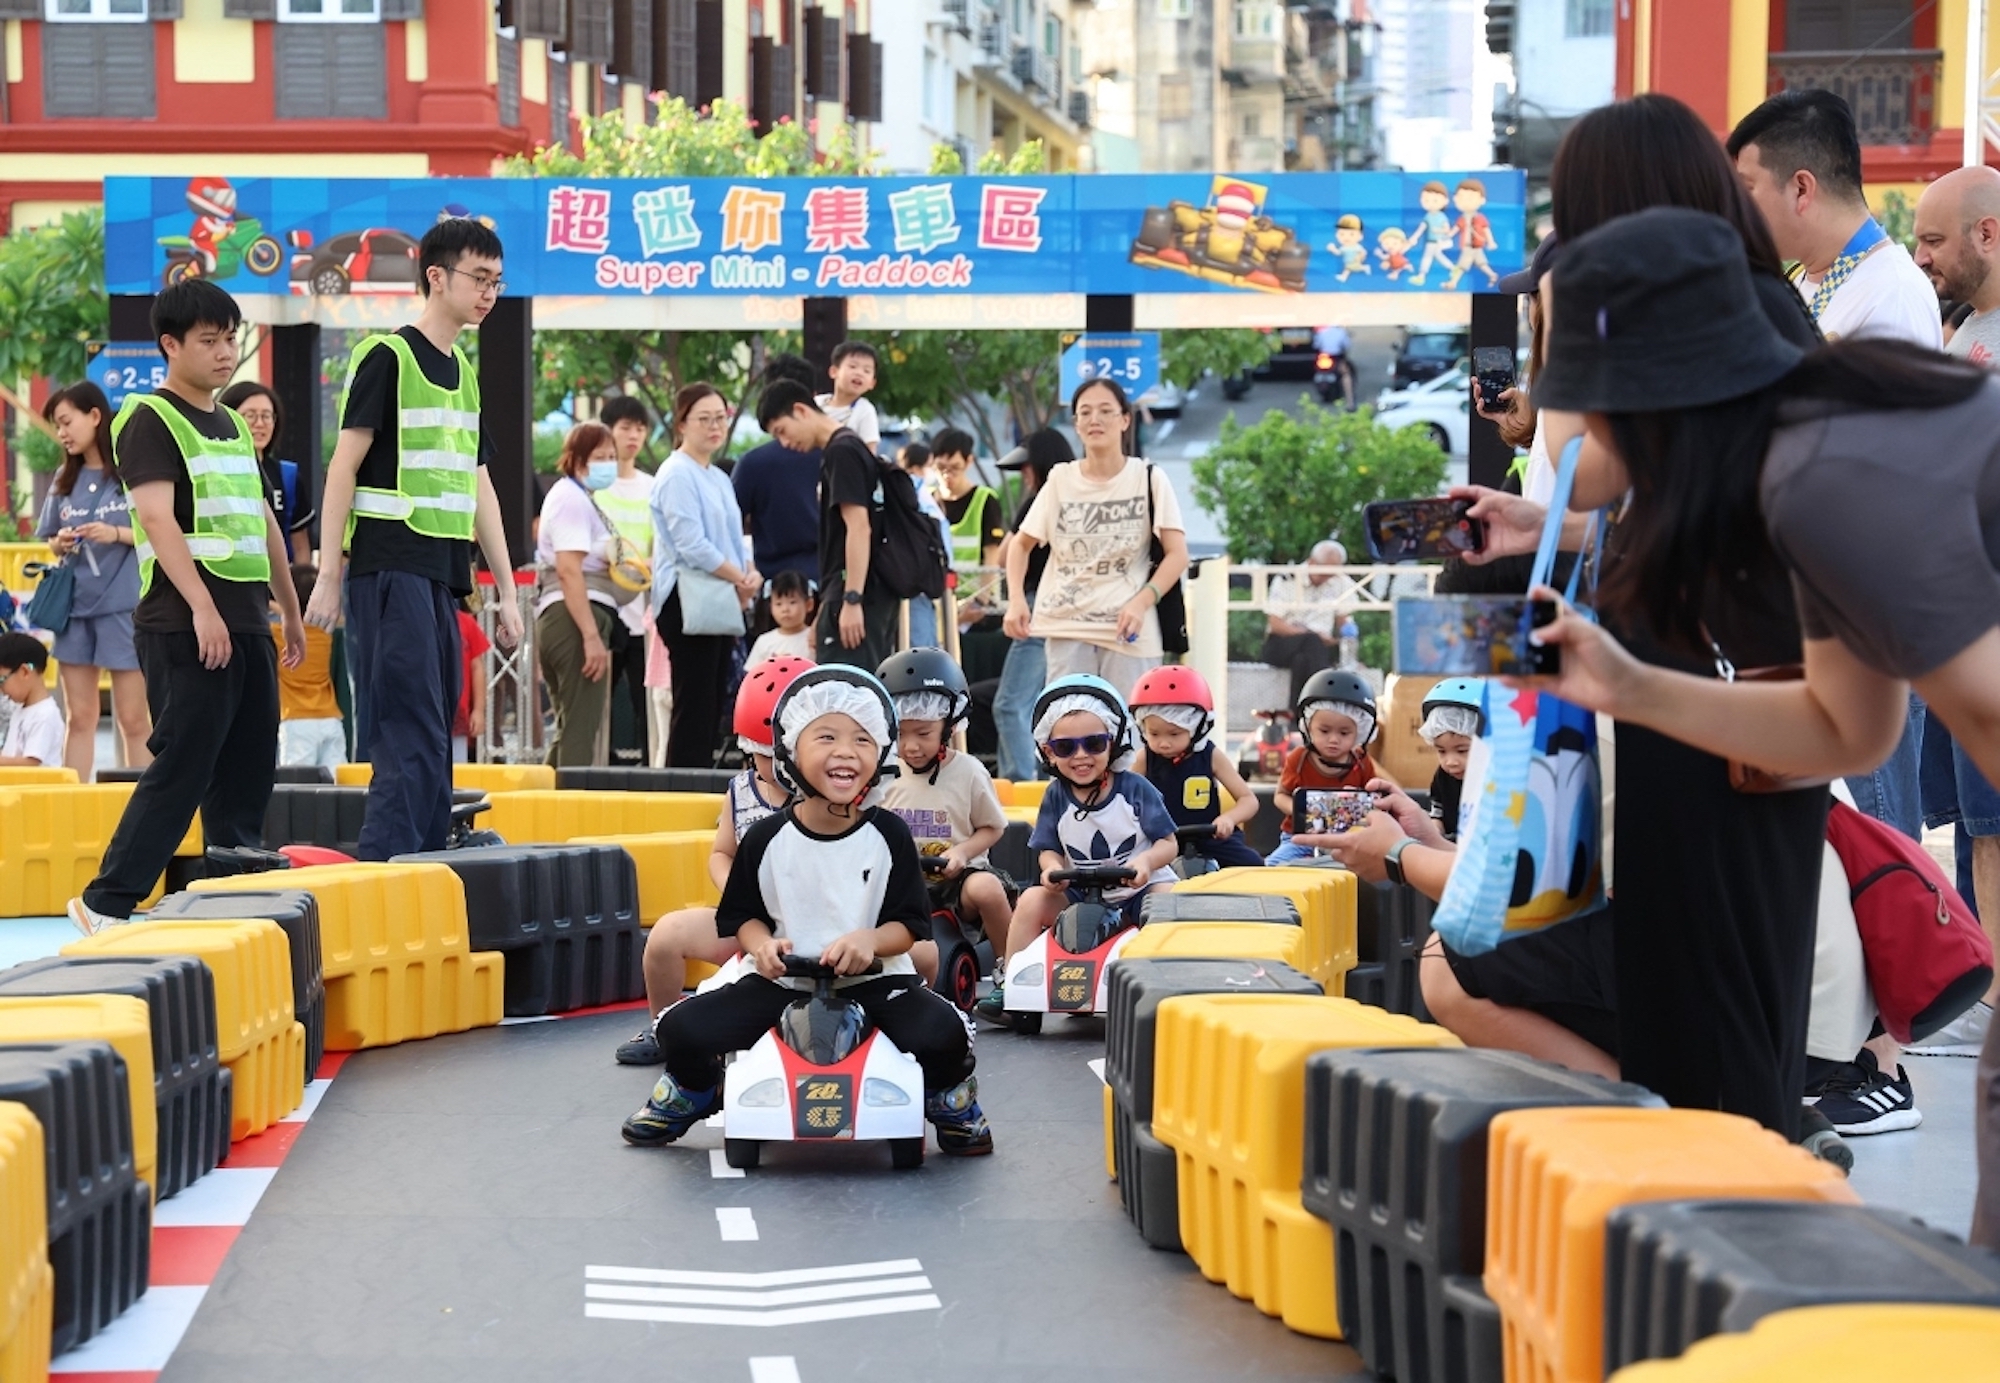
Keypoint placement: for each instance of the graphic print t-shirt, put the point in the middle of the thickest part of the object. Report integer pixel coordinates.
(1098, 542)
(942, 814)
(1130, 818)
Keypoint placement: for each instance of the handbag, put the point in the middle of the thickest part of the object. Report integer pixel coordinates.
(709, 605)
(1531, 834)
(54, 597)
(1747, 777)
(1172, 605)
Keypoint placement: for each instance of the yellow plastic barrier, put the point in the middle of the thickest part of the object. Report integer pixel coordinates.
(1229, 1098)
(119, 1019)
(1218, 941)
(1553, 1175)
(393, 950)
(27, 1284)
(673, 874)
(256, 1037)
(1018, 794)
(52, 842)
(504, 777)
(353, 775)
(14, 558)
(1026, 815)
(1882, 1344)
(1326, 901)
(22, 776)
(529, 818)
(1110, 1141)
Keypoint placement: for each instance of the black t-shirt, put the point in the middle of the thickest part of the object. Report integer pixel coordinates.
(296, 515)
(849, 473)
(1038, 556)
(373, 402)
(868, 875)
(992, 521)
(147, 452)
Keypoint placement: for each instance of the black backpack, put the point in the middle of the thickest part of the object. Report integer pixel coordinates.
(909, 558)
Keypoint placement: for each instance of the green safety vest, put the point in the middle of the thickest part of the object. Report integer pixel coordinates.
(437, 448)
(631, 519)
(966, 548)
(230, 537)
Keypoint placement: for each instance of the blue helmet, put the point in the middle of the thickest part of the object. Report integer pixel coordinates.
(1105, 697)
(1469, 692)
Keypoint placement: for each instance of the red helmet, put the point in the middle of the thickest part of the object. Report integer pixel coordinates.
(758, 697)
(1174, 686)
(212, 197)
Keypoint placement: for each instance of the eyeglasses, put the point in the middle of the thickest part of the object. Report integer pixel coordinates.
(708, 419)
(1084, 415)
(480, 282)
(256, 415)
(1082, 744)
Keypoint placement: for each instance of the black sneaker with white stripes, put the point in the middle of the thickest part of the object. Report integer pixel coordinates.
(1858, 1099)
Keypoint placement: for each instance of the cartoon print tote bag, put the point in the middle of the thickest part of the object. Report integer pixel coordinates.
(1530, 843)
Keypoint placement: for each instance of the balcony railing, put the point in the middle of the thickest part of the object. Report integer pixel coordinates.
(1893, 92)
(959, 14)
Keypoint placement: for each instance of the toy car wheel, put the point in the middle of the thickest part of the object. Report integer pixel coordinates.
(905, 1154)
(742, 1153)
(1027, 1024)
(264, 255)
(958, 976)
(181, 270)
(329, 282)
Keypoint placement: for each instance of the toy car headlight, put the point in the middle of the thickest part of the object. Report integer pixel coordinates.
(1032, 975)
(878, 1093)
(765, 1094)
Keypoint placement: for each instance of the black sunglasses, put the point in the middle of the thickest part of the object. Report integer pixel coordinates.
(1082, 744)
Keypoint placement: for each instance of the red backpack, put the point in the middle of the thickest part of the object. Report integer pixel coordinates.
(1928, 961)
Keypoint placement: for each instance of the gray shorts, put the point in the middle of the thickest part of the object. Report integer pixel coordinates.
(98, 641)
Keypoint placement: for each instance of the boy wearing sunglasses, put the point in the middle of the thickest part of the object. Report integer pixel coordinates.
(1096, 812)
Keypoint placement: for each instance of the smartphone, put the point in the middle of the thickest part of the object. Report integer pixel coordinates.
(1336, 810)
(1474, 636)
(1409, 530)
(1493, 368)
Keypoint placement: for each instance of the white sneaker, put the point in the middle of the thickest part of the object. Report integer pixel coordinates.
(1964, 1035)
(89, 921)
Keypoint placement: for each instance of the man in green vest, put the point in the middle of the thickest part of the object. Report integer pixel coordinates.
(211, 561)
(628, 506)
(977, 518)
(405, 494)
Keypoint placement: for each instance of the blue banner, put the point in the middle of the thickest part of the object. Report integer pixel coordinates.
(830, 237)
(1133, 360)
(121, 368)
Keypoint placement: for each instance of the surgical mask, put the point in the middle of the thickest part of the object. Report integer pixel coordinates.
(602, 473)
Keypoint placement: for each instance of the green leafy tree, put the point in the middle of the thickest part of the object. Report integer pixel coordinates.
(52, 297)
(1288, 480)
(1187, 355)
(1899, 219)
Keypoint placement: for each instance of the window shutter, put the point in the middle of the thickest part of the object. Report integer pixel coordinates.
(97, 71)
(632, 41)
(822, 55)
(864, 78)
(22, 9)
(510, 81)
(163, 10)
(589, 36)
(674, 48)
(708, 77)
(541, 19)
(558, 102)
(331, 72)
(784, 83)
(762, 116)
(402, 9)
(249, 9)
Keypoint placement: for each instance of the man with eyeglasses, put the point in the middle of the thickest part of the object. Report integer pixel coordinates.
(406, 493)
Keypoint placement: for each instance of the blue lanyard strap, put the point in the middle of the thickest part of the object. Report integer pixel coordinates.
(1866, 237)
(1545, 553)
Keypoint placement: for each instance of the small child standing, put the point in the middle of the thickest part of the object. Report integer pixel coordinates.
(1337, 710)
(1096, 812)
(36, 733)
(792, 610)
(1452, 721)
(468, 725)
(946, 797)
(1176, 711)
(829, 878)
(853, 372)
(310, 730)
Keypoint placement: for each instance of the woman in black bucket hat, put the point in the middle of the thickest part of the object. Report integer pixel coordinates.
(1868, 472)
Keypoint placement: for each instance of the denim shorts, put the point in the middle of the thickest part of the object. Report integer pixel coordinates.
(98, 641)
(1954, 790)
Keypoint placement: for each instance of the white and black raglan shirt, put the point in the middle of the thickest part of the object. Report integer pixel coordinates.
(812, 889)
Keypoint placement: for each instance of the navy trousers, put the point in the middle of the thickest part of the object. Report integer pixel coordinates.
(403, 630)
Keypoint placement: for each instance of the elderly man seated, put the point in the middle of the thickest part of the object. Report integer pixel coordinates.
(1301, 621)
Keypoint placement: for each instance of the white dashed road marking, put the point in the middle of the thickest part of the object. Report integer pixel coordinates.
(718, 1165)
(736, 1223)
(780, 1369)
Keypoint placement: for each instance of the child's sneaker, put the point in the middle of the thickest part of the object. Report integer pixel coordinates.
(961, 1125)
(993, 1006)
(642, 1050)
(669, 1112)
(89, 921)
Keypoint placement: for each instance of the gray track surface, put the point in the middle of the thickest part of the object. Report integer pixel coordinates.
(436, 1216)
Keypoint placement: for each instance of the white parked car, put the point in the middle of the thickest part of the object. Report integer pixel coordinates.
(1443, 406)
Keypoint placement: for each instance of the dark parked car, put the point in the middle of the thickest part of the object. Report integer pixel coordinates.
(1427, 352)
(1292, 357)
(363, 261)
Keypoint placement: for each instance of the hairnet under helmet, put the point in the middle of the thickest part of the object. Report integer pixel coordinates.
(1083, 691)
(1449, 720)
(1362, 716)
(924, 705)
(832, 690)
(1192, 719)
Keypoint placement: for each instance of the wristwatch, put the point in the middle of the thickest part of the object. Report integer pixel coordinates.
(850, 597)
(1392, 863)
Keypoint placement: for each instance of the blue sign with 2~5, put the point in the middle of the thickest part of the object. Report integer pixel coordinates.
(122, 368)
(1104, 233)
(1131, 359)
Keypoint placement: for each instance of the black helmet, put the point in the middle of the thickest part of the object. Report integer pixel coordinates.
(928, 670)
(1337, 684)
(782, 762)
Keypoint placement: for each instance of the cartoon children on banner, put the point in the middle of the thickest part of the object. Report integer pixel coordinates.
(1438, 235)
(1435, 231)
(1347, 238)
(1391, 248)
(1475, 233)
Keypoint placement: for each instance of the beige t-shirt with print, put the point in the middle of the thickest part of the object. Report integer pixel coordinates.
(1098, 540)
(942, 814)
